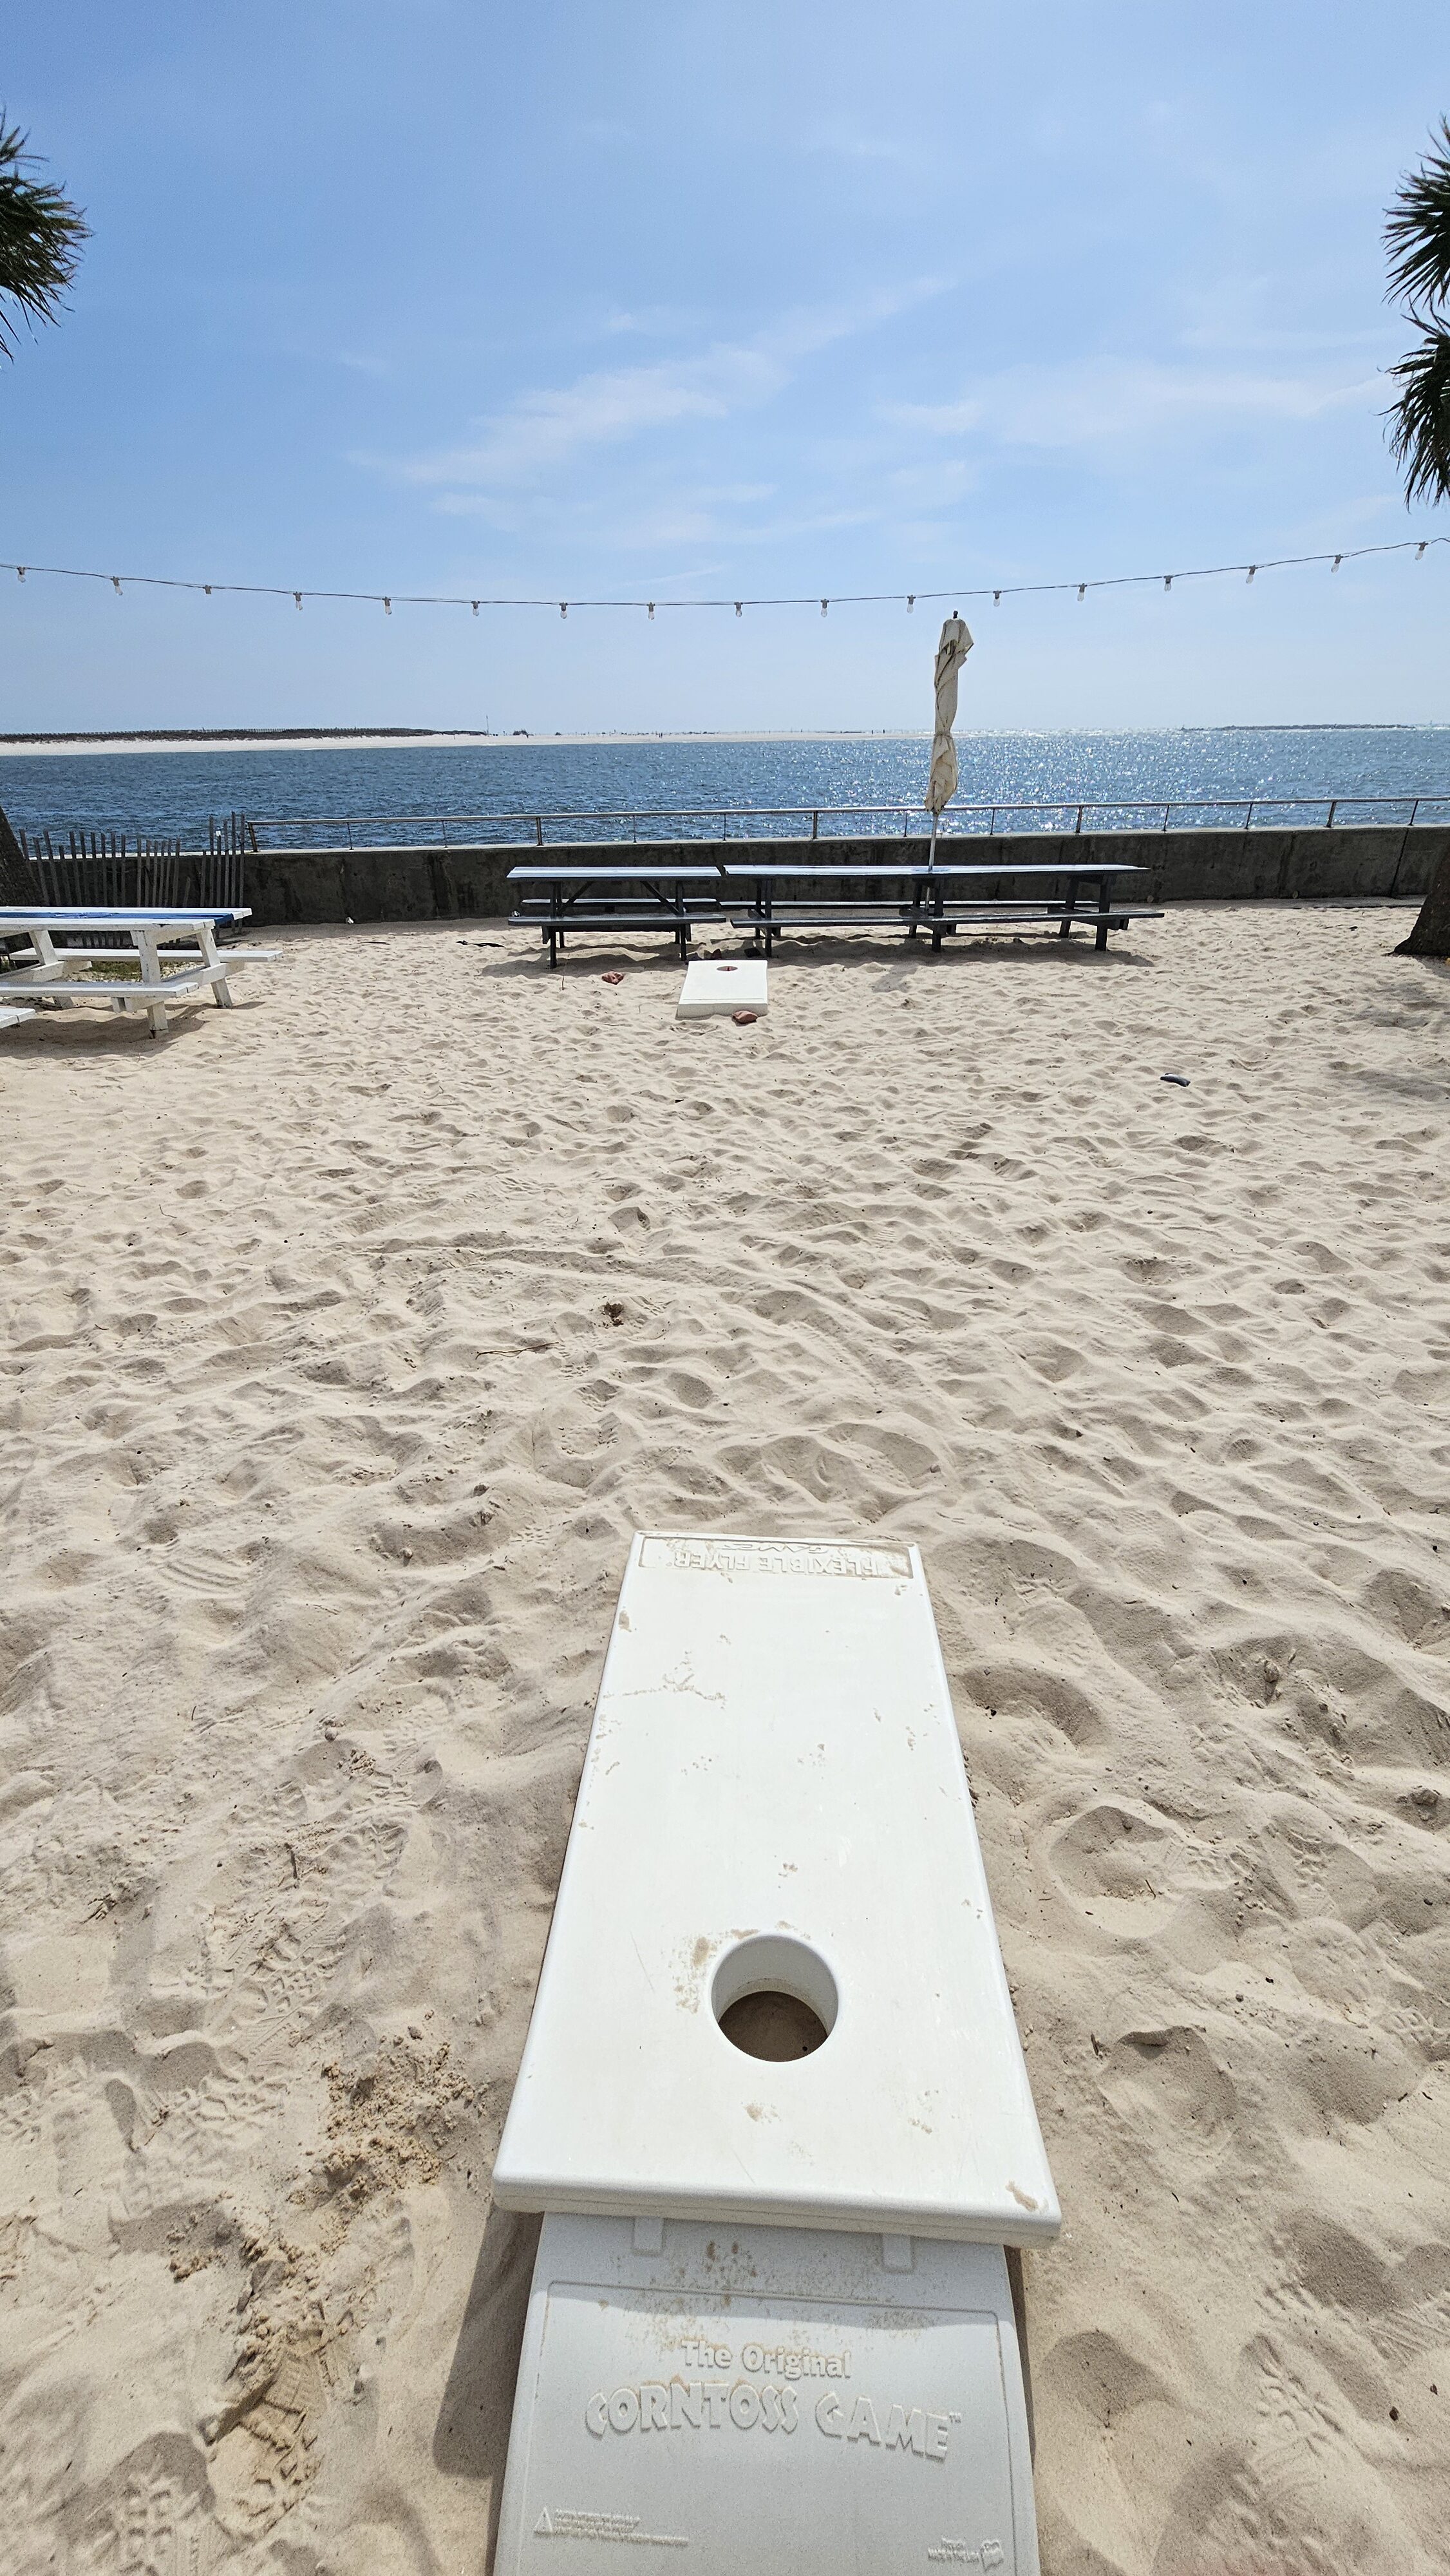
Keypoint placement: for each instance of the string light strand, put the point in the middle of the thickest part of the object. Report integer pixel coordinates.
(996, 592)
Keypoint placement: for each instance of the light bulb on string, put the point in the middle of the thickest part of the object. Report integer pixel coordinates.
(1419, 547)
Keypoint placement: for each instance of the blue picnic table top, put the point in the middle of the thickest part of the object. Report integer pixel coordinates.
(943, 868)
(789, 868)
(620, 876)
(1036, 868)
(116, 916)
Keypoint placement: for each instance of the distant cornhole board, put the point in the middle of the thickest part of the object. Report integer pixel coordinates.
(772, 2100)
(715, 986)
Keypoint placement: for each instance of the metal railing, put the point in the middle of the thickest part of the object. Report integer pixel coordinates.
(842, 822)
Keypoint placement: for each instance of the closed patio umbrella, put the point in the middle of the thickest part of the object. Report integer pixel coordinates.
(951, 653)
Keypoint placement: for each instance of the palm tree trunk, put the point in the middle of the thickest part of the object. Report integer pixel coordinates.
(15, 877)
(1431, 934)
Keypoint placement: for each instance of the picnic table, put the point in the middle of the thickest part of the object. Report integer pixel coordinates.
(174, 950)
(1075, 876)
(641, 897)
(766, 913)
(924, 903)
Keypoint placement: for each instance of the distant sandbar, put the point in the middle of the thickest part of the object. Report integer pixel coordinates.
(17, 746)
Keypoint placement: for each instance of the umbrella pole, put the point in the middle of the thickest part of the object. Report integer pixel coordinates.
(931, 853)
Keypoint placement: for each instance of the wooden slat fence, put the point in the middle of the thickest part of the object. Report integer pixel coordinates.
(79, 865)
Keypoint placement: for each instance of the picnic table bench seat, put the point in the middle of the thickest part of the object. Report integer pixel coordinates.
(74, 949)
(123, 988)
(1002, 916)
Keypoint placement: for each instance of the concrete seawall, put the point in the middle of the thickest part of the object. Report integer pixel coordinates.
(1209, 866)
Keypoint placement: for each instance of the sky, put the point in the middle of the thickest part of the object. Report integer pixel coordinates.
(648, 299)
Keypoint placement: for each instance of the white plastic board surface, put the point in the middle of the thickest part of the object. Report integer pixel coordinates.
(772, 2403)
(713, 985)
(774, 1759)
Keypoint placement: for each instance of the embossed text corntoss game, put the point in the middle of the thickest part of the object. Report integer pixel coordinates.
(772, 2101)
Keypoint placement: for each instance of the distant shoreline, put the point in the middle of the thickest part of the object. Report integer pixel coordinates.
(21, 746)
(18, 746)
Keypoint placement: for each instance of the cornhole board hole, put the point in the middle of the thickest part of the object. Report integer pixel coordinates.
(772, 2101)
(714, 985)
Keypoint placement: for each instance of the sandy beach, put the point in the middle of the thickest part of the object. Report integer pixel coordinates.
(347, 1339)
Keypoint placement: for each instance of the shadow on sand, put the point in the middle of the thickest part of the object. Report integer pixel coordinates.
(470, 2439)
(603, 956)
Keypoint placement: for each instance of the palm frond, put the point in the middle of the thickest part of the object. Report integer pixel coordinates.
(1420, 418)
(41, 234)
(1417, 231)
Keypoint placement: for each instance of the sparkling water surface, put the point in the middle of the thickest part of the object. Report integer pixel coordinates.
(176, 791)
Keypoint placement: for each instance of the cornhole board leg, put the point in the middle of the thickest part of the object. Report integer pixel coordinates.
(767, 2401)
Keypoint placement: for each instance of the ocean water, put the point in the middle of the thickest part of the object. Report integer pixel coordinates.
(304, 794)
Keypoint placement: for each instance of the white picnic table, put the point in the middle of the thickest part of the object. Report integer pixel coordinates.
(174, 948)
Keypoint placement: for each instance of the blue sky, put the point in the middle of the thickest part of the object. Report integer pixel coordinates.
(648, 298)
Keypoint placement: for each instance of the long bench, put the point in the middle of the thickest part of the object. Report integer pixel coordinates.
(1076, 876)
(642, 897)
(768, 897)
(766, 913)
(925, 905)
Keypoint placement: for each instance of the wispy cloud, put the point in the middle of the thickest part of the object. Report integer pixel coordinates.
(1273, 342)
(701, 515)
(852, 143)
(542, 431)
(1099, 401)
(1271, 314)
(648, 321)
(726, 518)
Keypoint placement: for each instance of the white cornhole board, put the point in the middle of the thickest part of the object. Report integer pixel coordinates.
(771, 2400)
(774, 1797)
(774, 1755)
(713, 985)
